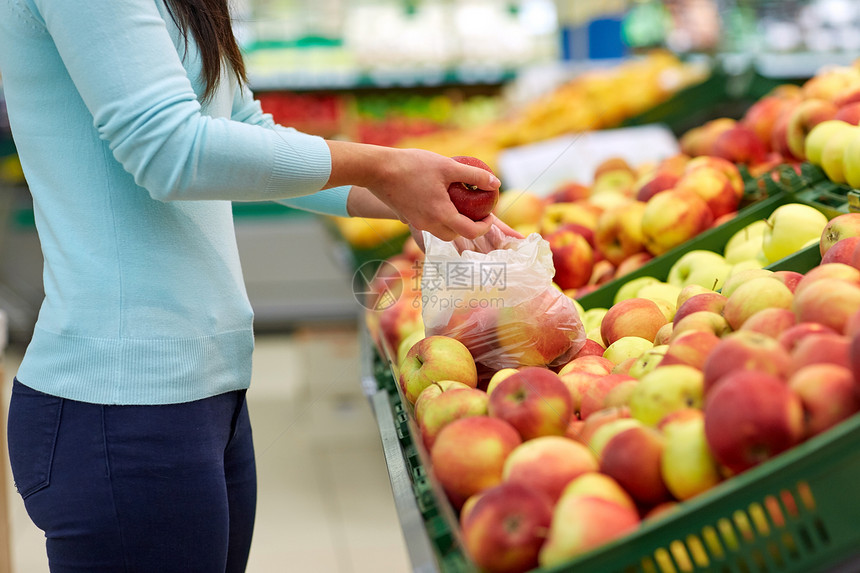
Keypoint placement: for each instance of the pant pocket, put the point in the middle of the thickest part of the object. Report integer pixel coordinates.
(33, 424)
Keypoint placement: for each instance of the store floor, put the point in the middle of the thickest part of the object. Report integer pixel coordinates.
(325, 502)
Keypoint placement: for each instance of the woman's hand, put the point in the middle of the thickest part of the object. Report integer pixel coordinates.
(413, 183)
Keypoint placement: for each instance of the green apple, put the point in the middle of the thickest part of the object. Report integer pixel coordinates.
(745, 265)
(407, 343)
(740, 277)
(592, 317)
(630, 289)
(790, 227)
(746, 243)
(627, 347)
(687, 465)
(691, 262)
(436, 358)
(661, 291)
(664, 390)
(648, 361)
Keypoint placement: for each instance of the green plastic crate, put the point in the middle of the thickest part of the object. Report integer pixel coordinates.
(711, 240)
(797, 512)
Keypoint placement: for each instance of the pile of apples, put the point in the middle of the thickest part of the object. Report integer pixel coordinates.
(545, 464)
(774, 130)
(626, 217)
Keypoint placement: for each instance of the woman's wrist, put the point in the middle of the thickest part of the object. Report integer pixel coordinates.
(362, 203)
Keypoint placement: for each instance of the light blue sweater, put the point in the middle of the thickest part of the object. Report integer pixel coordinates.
(131, 181)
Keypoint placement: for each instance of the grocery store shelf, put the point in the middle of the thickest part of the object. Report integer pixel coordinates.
(414, 533)
(334, 80)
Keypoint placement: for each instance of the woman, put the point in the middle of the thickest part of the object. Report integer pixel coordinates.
(128, 432)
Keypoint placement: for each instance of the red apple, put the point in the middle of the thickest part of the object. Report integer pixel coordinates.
(792, 335)
(806, 115)
(632, 263)
(548, 464)
(827, 302)
(469, 455)
(583, 523)
(745, 350)
(534, 401)
(618, 234)
(432, 392)
(822, 348)
(632, 458)
(472, 202)
(841, 251)
(691, 348)
(584, 432)
(838, 228)
(590, 348)
(827, 393)
(740, 144)
(849, 113)
(673, 217)
(572, 257)
(594, 397)
(750, 417)
(652, 183)
(640, 317)
(506, 527)
(569, 192)
(707, 301)
(789, 278)
(595, 364)
(770, 321)
(761, 116)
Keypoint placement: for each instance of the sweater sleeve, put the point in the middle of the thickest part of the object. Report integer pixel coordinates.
(127, 71)
(247, 109)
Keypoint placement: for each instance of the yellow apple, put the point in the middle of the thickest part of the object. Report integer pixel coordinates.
(687, 465)
(627, 347)
(819, 135)
(664, 390)
(833, 154)
(746, 243)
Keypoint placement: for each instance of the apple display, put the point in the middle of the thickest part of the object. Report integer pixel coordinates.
(548, 464)
(665, 390)
(506, 527)
(469, 455)
(436, 358)
(750, 417)
(534, 401)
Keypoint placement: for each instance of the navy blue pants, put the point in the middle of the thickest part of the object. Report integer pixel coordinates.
(136, 488)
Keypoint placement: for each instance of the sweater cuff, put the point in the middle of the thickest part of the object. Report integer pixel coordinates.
(302, 164)
(326, 202)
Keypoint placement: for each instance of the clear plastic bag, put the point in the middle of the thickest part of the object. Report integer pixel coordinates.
(495, 295)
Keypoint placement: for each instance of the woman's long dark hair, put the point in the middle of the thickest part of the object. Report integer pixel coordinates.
(210, 24)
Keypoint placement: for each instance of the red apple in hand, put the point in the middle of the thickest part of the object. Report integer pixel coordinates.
(472, 202)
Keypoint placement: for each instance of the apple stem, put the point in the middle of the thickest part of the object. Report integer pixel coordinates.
(470, 187)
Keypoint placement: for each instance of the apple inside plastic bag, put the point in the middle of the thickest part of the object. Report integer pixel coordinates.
(495, 295)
